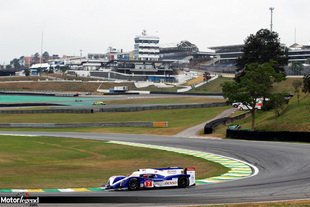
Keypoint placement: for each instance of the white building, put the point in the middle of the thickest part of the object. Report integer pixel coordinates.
(146, 47)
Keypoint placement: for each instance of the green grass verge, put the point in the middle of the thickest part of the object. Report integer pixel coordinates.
(212, 87)
(50, 162)
(156, 89)
(178, 119)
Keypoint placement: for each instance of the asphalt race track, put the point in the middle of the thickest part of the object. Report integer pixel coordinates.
(284, 171)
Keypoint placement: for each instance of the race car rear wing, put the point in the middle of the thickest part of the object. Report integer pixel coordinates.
(192, 175)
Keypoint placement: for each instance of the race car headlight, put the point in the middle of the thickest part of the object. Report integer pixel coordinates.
(111, 181)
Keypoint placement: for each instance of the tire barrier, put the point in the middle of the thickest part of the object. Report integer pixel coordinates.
(286, 136)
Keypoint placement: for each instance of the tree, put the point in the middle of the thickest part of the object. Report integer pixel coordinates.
(64, 69)
(27, 72)
(296, 67)
(15, 63)
(306, 88)
(21, 61)
(261, 48)
(206, 76)
(277, 102)
(8, 67)
(35, 58)
(50, 70)
(45, 57)
(256, 83)
(297, 84)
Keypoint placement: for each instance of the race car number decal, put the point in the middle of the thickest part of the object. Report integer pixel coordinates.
(148, 184)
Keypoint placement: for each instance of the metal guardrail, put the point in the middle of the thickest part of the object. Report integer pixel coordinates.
(161, 124)
(160, 107)
(43, 111)
(116, 108)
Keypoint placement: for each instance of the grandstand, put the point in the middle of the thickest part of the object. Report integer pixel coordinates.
(299, 53)
(184, 52)
(227, 57)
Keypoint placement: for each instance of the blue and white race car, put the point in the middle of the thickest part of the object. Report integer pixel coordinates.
(153, 178)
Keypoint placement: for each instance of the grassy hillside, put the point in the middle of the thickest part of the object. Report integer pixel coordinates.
(212, 87)
(215, 86)
(50, 86)
(295, 117)
(78, 86)
(285, 86)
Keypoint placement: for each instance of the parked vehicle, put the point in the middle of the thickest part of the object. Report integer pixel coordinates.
(244, 107)
(236, 104)
(99, 103)
(118, 89)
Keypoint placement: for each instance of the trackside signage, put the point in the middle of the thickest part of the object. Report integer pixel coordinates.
(26, 200)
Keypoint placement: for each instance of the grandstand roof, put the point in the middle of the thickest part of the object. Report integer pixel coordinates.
(168, 45)
(296, 45)
(183, 45)
(226, 46)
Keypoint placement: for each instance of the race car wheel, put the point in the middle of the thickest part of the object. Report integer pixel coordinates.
(183, 182)
(133, 184)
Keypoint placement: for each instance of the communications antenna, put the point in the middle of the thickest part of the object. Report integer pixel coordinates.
(271, 13)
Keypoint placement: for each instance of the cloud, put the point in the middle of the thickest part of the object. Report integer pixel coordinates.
(94, 25)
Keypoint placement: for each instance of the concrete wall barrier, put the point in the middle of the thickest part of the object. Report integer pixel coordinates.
(75, 125)
(287, 136)
(208, 129)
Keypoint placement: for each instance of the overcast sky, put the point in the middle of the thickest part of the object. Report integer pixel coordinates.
(94, 25)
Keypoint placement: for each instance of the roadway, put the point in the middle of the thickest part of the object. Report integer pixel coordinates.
(284, 171)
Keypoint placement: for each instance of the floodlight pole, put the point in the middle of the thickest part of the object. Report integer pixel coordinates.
(295, 35)
(41, 49)
(271, 13)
